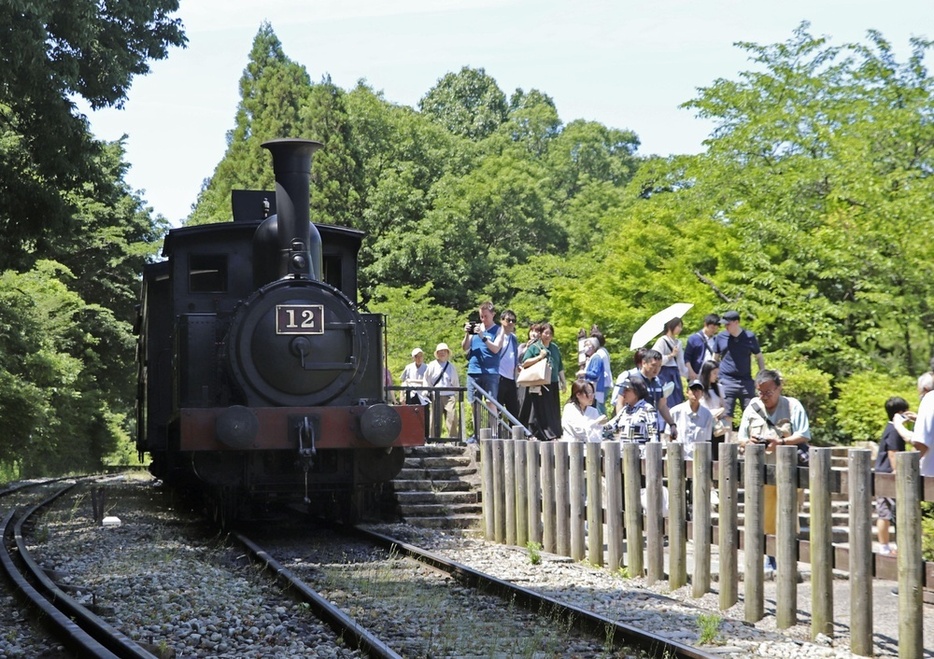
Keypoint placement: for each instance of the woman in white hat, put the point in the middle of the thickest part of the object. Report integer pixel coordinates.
(441, 373)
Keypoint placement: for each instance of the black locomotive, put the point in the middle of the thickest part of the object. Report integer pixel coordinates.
(259, 379)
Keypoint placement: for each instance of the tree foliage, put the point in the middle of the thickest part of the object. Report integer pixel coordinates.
(75, 235)
(50, 52)
(468, 103)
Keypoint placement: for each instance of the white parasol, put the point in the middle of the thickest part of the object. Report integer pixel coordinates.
(656, 324)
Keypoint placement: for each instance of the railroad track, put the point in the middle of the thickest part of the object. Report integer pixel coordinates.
(519, 614)
(616, 634)
(76, 627)
(154, 554)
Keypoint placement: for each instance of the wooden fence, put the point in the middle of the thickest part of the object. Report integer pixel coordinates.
(582, 500)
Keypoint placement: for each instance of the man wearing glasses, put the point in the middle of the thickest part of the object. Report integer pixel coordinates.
(773, 420)
(508, 395)
(735, 347)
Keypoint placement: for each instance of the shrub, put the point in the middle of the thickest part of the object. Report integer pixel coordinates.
(860, 413)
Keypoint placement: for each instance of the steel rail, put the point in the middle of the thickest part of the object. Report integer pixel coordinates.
(585, 620)
(89, 634)
(339, 621)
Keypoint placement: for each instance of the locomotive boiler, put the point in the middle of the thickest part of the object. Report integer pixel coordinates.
(259, 378)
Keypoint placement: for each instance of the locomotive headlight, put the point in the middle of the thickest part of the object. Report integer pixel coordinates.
(299, 263)
(380, 425)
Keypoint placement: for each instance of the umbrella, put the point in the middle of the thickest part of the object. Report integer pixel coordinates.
(656, 324)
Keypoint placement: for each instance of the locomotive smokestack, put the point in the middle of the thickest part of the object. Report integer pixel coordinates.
(298, 241)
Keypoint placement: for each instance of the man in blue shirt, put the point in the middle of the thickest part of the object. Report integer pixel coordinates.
(735, 348)
(701, 346)
(483, 342)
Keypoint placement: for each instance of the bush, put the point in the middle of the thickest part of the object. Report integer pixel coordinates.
(927, 530)
(860, 413)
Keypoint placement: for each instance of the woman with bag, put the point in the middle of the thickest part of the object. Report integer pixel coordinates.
(546, 402)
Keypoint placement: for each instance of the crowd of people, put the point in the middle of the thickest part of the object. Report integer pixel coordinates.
(649, 402)
(646, 403)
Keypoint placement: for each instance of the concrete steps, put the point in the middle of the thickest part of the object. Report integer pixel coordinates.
(439, 487)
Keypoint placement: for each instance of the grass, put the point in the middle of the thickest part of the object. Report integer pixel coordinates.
(535, 552)
(708, 627)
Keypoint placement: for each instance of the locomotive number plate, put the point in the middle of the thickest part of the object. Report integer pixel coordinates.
(299, 319)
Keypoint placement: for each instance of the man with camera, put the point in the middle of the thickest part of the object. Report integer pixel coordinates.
(483, 342)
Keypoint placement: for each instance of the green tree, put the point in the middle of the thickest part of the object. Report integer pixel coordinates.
(52, 51)
(401, 155)
(50, 410)
(415, 320)
(335, 197)
(468, 103)
(821, 164)
(273, 92)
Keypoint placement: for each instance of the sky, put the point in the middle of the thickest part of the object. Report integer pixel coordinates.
(626, 65)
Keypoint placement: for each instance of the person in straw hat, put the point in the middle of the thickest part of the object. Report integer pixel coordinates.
(440, 374)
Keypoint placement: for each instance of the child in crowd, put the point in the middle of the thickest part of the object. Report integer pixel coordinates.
(889, 445)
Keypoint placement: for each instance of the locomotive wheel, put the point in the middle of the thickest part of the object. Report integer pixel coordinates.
(224, 507)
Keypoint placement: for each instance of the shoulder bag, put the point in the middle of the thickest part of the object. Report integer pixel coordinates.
(536, 375)
(804, 456)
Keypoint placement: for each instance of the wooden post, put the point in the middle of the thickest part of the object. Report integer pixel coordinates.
(654, 521)
(534, 477)
(860, 497)
(548, 496)
(594, 504)
(728, 524)
(677, 518)
(499, 492)
(910, 561)
(819, 475)
(632, 509)
(509, 482)
(786, 530)
(613, 476)
(576, 490)
(754, 533)
(522, 489)
(486, 492)
(700, 518)
(563, 500)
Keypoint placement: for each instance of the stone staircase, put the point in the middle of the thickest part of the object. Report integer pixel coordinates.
(439, 487)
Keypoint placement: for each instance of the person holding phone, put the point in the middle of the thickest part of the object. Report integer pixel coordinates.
(774, 420)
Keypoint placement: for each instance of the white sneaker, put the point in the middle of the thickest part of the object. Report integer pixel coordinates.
(887, 550)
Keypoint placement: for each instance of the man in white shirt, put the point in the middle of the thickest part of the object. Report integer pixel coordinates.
(508, 395)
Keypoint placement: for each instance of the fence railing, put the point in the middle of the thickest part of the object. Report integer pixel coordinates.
(485, 412)
(582, 500)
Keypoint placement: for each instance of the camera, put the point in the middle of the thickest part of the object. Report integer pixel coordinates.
(471, 326)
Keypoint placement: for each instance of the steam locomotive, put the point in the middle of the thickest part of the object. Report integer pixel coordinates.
(259, 379)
